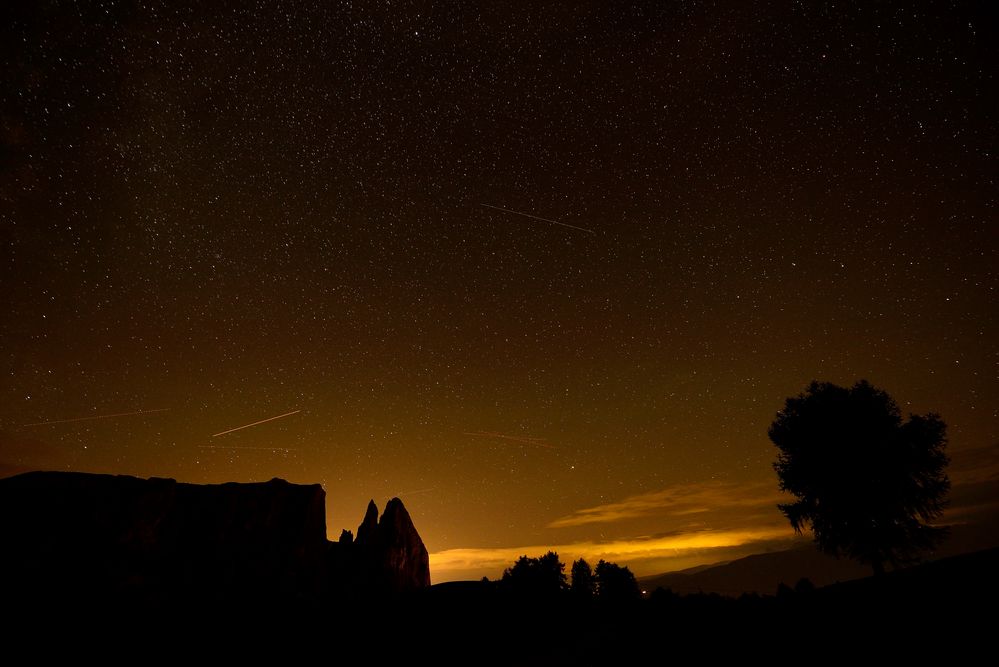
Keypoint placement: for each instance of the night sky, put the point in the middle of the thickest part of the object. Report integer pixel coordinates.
(545, 272)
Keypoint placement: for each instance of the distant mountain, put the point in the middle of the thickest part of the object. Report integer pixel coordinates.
(760, 573)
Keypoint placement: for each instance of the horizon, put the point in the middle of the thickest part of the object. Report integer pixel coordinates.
(546, 273)
(683, 551)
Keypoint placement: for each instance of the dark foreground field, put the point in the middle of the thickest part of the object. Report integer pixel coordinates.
(940, 610)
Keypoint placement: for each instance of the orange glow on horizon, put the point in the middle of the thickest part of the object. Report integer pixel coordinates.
(625, 552)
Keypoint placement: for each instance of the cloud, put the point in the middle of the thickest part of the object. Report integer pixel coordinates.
(685, 500)
(645, 555)
(698, 523)
(691, 524)
(974, 494)
(974, 465)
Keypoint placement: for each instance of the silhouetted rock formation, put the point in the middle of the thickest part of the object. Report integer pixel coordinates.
(400, 558)
(387, 556)
(369, 525)
(68, 535)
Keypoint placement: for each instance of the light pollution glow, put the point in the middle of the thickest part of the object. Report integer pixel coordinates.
(641, 554)
(699, 522)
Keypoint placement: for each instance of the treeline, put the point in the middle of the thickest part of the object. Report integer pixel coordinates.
(545, 575)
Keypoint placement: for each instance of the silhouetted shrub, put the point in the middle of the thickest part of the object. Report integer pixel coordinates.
(664, 595)
(614, 582)
(804, 586)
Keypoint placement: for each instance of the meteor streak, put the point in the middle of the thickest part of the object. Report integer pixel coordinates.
(537, 217)
(270, 449)
(83, 419)
(262, 421)
(413, 493)
(540, 442)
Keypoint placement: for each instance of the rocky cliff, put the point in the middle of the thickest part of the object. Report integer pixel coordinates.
(396, 557)
(71, 534)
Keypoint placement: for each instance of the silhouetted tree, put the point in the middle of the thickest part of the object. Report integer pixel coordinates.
(544, 575)
(804, 586)
(664, 595)
(615, 582)
(867, 483)
(583, 583)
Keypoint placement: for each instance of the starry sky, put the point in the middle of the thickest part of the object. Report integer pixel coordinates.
(546, 271)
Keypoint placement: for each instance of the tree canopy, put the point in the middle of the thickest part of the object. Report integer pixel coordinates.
(544, 575)
(583, 583)
(615, 582)
(867, 483)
